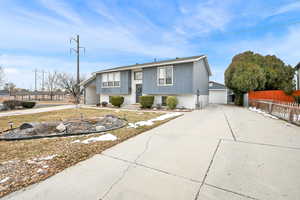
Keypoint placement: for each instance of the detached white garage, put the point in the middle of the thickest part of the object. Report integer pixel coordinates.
(218, 93)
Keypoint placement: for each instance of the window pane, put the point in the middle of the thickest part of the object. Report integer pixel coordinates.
(117, 76)
(110, 77)
(161, 81)
(104, 77)
(110, 83)
(162, 73)
(168, 81)
(138, 75)
(116, 83)
(169, 75)
(104, 84)
(169, 72)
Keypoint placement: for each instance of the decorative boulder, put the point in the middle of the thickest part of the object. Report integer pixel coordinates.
(26, 126)
(100, 128)
(61, 127)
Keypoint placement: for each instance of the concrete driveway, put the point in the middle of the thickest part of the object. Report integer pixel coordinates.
(219, 153)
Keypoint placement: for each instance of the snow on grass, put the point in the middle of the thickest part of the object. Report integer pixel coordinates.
(4, 180)
(76, 141)
(150, 122)
(38, 160)
(46, 158)
(105, 137)
(262, 112)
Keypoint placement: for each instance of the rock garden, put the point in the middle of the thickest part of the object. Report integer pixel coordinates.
(33, 130)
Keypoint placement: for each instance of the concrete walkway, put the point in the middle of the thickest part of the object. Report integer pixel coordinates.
(35, 110)
(219, 153)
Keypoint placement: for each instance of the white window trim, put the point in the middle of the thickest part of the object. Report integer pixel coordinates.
(107, 74)
(172, 67)
(134, 75)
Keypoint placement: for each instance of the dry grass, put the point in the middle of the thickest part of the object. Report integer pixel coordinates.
(15, 154)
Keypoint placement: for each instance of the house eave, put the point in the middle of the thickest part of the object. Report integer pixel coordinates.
(139, 66)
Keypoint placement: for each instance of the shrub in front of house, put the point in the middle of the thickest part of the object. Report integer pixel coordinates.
(146, 101)
(116, 100)
(12, 104)
(28, 104)
(172, 102)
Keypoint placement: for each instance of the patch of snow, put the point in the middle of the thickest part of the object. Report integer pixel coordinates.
(106, 137)
(31, 162)
(76, 141)
(45, 158)
(262, 112)
(41, 171)
(45, 166)
(151, 121)
(4, 180)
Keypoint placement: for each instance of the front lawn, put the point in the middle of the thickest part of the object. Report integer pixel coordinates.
(29, 161)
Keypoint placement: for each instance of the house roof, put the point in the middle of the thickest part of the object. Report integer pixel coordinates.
(159, 63)
(151, 64)
(216, 86)
(87, 81)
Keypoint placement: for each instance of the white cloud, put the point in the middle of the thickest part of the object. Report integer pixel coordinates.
(62, 9)
(203, 18)
(286, 47)
(288, 7)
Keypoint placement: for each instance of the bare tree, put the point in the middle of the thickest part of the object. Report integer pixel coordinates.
(1, 76)
(69, 84)
(52, 83)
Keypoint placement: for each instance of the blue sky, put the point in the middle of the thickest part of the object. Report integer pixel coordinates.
(35, 34)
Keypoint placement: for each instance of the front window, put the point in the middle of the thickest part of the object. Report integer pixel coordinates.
(165, 75)
(111, 79)
(138, 75)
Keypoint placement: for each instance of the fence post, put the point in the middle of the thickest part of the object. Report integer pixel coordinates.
(291, 113)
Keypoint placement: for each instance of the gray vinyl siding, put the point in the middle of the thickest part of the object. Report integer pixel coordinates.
(125, 85)
(182, 81)
(200, 78)
(298, 79)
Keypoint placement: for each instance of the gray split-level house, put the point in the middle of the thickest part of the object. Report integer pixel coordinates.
(187, 78)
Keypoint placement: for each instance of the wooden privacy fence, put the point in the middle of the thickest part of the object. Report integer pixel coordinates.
(274, 95)
(282, 110)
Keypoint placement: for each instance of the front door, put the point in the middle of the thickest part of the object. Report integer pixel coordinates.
(138, 92)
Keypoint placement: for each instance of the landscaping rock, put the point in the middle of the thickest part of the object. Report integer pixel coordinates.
(100, 128)
(26, 126)
(61, 127)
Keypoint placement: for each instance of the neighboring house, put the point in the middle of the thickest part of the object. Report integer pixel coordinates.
(219, 93)
(298, 76)
(4, 93)
(187, 78)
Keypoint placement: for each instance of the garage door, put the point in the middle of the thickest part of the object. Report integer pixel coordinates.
(218, 96)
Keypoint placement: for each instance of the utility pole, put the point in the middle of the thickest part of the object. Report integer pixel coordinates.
(77, 51)
(43, 80)
(35, 83)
